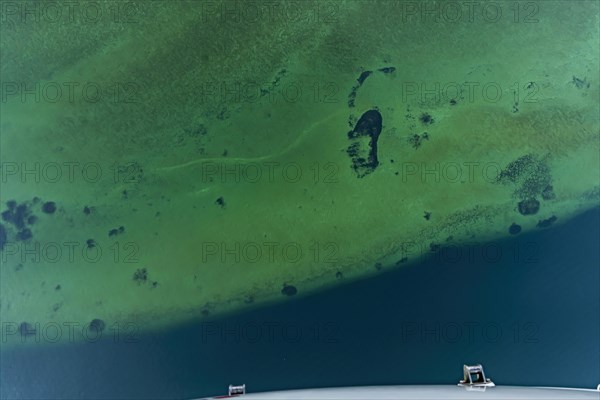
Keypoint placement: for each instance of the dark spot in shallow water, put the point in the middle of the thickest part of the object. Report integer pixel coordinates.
(140, 275)
(3, 237)
(545, 223)
(529, 207)
(97, 325)
(514, 229)
(580, 83)
(116, 231)
(363, 77)
(21, 212)
(352, 97)
(368, 125)
(24, 234)
(16, 215)
(289, 290)
(49, 207)
(530, 176)
(26, 329)
(401, 261)
(363, 148)
(387, 70)
(426, 119)
(7, 216)
(548, 193)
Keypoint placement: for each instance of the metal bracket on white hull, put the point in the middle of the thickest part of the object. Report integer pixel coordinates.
(474, 378)
(474, 382)
(235, 390)
(476, 372)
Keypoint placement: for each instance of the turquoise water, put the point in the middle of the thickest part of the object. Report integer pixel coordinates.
(530, 317)
(240, 189)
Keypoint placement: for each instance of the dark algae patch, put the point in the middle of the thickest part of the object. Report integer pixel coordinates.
(529, 207)
(363, 147)
(140, 276)
(364, 136)
(289, 290)
(49, 207)
(361, 79)
(116, 231)
(26, 329)
(548, 193)
(97, 325)
(426, 119)
(514, 229)
(19, 216)
(16, 215)
(531, 177)
(3, 237)
(401, 261)
(580, 83)
(546, 223)
(24, 234)
(416, 140)
(387, 70)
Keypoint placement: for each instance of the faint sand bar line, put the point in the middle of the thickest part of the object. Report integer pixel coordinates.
(296, 142)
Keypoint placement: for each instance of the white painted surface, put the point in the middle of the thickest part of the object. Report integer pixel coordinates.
(432, 392)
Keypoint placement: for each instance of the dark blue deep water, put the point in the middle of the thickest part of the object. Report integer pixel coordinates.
(527, 308)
